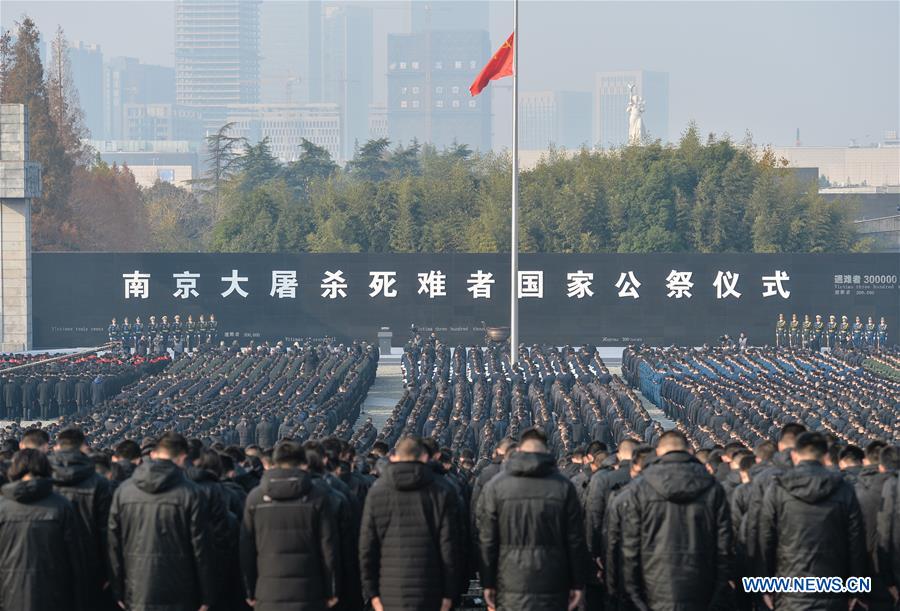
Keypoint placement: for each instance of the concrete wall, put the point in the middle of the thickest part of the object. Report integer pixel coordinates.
(885, 232)
(20, 180)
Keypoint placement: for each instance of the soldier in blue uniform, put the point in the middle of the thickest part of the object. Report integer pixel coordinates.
(126, 336)
(177, 335)
(165, 331)
(152, 330)
(831, 332)
(795, 332)
(113, 331)
(882, 333)
(781, 338)
(137, 329)
(202, 332)
(806, 334)
(213, 328)
(190, 330)
(856, 335)
(871, 332)
(818, 333)
(844, 332)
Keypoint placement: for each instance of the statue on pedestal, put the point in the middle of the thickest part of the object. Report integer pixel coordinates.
(635, 110)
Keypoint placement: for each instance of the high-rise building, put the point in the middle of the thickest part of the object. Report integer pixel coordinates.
(291, 47)
(127, 81)
(161, 122)
(554, 118)
(286, 125)
(378, 122)
(429, 74)
(611, 97)
(347, 68)
(87, 74)
(216, 56)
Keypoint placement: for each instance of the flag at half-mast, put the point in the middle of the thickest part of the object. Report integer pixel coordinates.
(500, 66)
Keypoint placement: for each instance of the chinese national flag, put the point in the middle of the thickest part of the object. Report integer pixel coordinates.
(500, 66)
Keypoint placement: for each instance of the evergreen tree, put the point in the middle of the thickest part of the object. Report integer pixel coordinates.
(23, 83)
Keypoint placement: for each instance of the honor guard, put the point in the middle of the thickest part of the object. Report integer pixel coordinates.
(190, 330)
(871, 332)
(202, 331)
(831, 332)
(213, 328)
(882, 333)
(807, 332)
(794, 331)
(177, 334)
(844, 332)
(113, 331)
(818, 333)
(857, 333)
(165, 332)
(126, 336)
(781, 334)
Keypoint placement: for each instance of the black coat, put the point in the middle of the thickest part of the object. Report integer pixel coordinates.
(869, 486)
(531, 535)
(676, 537)
(159, 543)
(889, 532)
(41, 547)
(601, 485)
(290, 544)
(811, 526)
(74, 477)
(407, 547)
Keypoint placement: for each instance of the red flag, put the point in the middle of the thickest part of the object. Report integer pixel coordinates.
(500, 66)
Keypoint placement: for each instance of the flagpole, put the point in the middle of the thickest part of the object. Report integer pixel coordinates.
(514, 233)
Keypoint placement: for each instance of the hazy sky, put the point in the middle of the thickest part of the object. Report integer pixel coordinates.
(830, 68)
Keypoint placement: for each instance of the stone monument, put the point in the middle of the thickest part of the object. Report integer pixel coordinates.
(635, 110)
(20, 181)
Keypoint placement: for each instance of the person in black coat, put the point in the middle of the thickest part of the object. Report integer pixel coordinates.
(75, 478)
(532, 551)
(290, 544)
(869, 486)
(676, 537)
(41, 542)
(812, 526)
(407, 550)
(159, 545)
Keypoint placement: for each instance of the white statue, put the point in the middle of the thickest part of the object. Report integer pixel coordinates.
(635, 111)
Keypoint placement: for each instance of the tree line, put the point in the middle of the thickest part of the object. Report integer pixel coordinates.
(712, 195)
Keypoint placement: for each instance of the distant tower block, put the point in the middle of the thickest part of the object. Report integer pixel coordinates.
(20, 181)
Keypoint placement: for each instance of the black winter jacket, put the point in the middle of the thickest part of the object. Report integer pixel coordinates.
(407, 548)
(811, 526)
(676, 537)
(160, 548)
(74, 477)
(602, 483)
(41, 549)
(290, 544)
(869, 486)
(531, 535)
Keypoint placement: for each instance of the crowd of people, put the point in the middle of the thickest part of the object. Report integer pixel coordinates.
(241, 478)
(158, 337)
(816, 334)
(42, 387)
(719, 396)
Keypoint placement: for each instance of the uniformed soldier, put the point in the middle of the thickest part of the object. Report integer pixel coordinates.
(818, 333)
(871, 332)
(795, 331)
(857, 334)
(113, 331)
(165, 330)
(831, 332)
(202, 331)
(137, 329)
(177, 335)
(882, 333)
(781, 335)
(126, 336)
(152, 331)
(190, 330)
(844, 332)
(807, 333)
(213, 328)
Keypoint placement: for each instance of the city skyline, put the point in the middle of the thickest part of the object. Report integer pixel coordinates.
(835, 89)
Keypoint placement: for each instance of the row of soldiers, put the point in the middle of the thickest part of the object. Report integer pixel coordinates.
(156, 337)
(814, 335)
